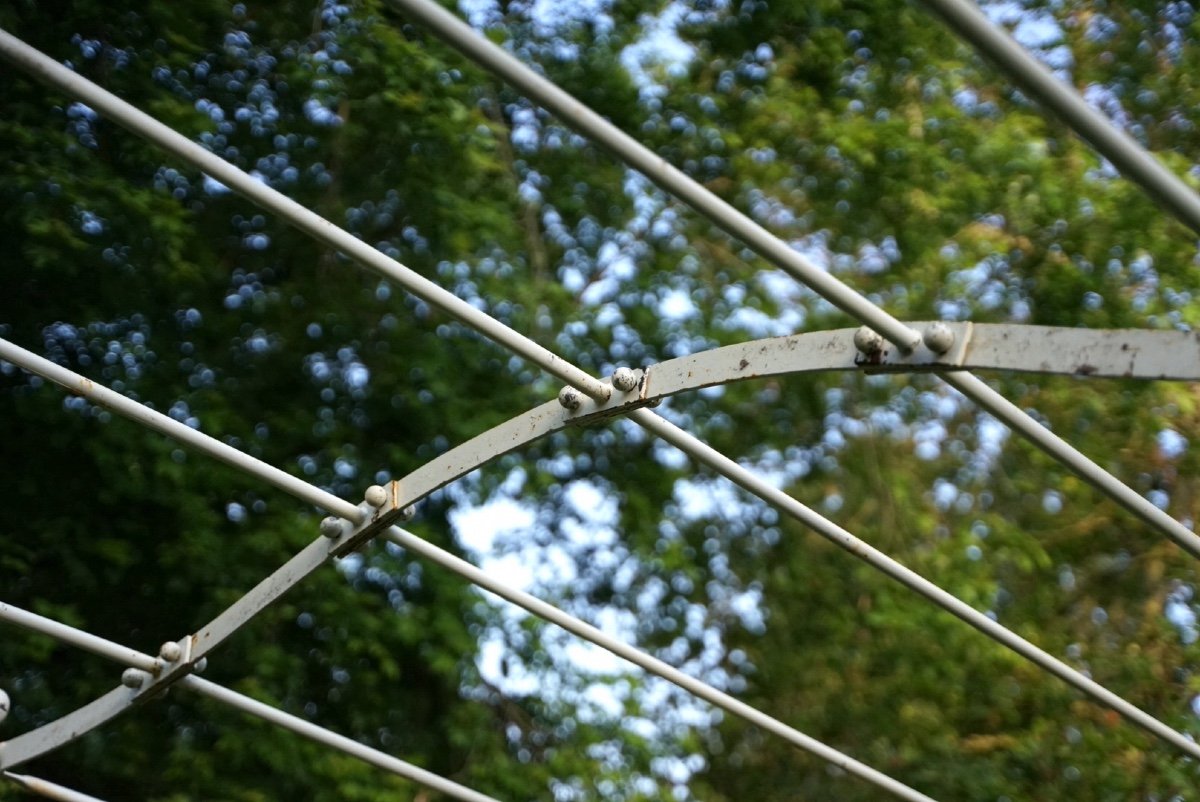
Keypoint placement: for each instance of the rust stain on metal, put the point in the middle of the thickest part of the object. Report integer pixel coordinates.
(743, 365)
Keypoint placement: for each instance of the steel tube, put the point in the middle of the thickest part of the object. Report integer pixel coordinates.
(47, 789)
(1016, 418)
(102, 396)
(311, 223)
(76, 637)
(652, 665)
(325, 737)
(465, 39)
(709, 456)
(1034, 78)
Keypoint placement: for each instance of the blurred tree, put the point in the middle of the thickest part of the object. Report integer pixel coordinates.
(863, 134)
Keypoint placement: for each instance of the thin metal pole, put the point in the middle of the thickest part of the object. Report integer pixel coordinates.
(464, 38)
(102, 396)
(77, 638)
(311, 223)
(709, 456)
(47, 789)
(1126, 154)
(978, 391)
(129, 657)
(255, 467)
(1170, 190)
(325, 737)
(652, 665)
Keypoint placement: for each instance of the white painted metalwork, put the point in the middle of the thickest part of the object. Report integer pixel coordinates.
(48, 70)
(686, 373)
(573, 113)
(398, 497)
(940, 348)
(1125, 152)
(47, 789)
(116, 652)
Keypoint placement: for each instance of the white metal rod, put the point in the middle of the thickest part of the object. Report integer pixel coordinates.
(77, 638)
(129, 657)
(707, 455)
(47, 789)
(1126, 154)
(651, 664)
(978, 391)
(325, 737)
(581, 118)
(102, 396)
(311, 223)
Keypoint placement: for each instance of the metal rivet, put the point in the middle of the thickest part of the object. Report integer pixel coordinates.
(170, 651)
(868, 341)
(407, 513)
(570, 398)
(4, 706)
(376, 496)
(200, 665)
(133, 678)
(624, 379)
(939, 338)
(331, 527)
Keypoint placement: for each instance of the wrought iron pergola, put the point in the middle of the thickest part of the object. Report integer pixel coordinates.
(883, 344)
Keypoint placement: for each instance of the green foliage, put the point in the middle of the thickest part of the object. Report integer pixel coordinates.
(862, 133)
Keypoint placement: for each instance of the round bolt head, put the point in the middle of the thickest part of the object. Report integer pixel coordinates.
(868, 341)
(4, 706)
(200, 665)
(939, 338)
(570, 398)
(331, 527)
(170, 651)
(624, 379)
(133, 678)
(376, 496)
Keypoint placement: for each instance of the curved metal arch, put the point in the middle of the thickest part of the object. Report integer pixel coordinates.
(371, 521)
(1080, 352)
(1120, 353)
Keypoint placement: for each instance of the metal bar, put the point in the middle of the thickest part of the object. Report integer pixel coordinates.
(978, 391)
(48, 789)
(283, 579)
(465, 39)
(707, 455)
(311, 223)
(103, 396)
(325, 737)
(118, 653)
(1126, 154)
(77, 638)
(652, 665)
(62, 731)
